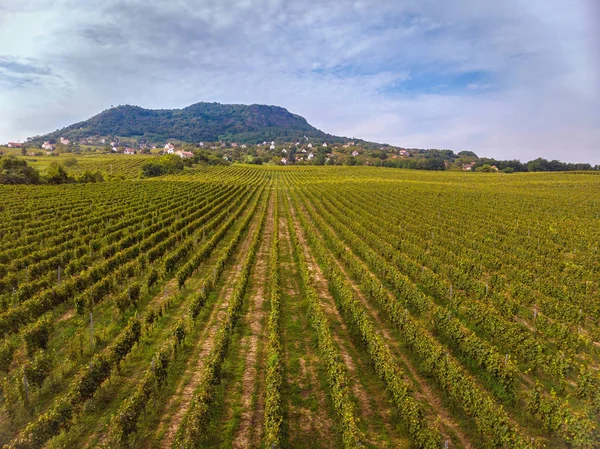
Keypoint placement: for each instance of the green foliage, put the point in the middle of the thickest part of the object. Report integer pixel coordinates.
(70, 162)
(486, 168)
(195, 123)
(56, 174)
(17, 171)
(36, 335)
(89, 176)
(7, 350)
(169, 163)
(38, 369)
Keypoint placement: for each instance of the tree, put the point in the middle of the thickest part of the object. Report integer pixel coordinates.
(486, 168)
(17, 171)
(57, 174)
(350, 160)
(169, 163)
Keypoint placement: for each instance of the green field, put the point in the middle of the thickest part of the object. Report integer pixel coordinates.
(300, 307)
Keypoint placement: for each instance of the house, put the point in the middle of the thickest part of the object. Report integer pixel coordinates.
(129, 151)
(184, 154)
(65, 141)
(469, 166)
(169, 148)
(403, 153)
(272, 147)
(325, 144)
(304, 150)
(284, 151)
(309, 145)
(14, 145)
(345, 146)
(201, 144)
(243, 146)
(103, 141)
(311, 156)
(355, 153)
(351, 144)
(284, 161)
(272, 143)
(47, 146)
(297, 143)
(264, 142)
(114, 149)
(226, 158)
(234, 144)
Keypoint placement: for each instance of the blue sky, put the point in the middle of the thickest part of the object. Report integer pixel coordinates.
(512, 79)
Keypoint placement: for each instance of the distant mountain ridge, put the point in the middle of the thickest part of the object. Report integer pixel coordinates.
(195, 123)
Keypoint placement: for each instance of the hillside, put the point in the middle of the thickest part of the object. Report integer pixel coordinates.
(195, 123)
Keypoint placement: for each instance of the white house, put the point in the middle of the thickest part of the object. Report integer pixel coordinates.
(284, 151)
(324, 144)
(201, 144)
(310, 156)
(309, 145)
(226, 158)
(114, 149)
(47, 146)
(103, 141)
(129, 151)
(65, 141)
(355, 153)
(304, 150)
(184, 154)
(284, 161)
(169, 148)
(272, 147)
(243, 145)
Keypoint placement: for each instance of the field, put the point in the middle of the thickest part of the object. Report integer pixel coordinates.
(317, 307)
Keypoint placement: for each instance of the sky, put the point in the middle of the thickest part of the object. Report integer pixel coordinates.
(511, 79)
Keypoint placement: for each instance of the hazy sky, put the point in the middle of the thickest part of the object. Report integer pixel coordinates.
(508, 79)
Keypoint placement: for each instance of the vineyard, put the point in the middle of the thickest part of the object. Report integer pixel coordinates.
(301, 307)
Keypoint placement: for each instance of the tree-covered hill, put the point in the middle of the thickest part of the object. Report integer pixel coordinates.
(195, 123)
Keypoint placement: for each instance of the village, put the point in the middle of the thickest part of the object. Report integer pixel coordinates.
(303, 151)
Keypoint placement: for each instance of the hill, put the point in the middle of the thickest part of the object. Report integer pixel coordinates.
(195, 123)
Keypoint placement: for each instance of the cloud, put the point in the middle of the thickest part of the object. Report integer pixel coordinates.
(505, 79)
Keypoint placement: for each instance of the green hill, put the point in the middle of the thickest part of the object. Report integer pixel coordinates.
(195, 123)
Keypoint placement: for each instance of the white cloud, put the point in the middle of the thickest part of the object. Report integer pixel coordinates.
(354, 68)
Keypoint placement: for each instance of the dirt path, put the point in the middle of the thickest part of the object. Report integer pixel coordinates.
(307, 414)
(179, 402)
(373, 403)
(424, 392)
(250, 429)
